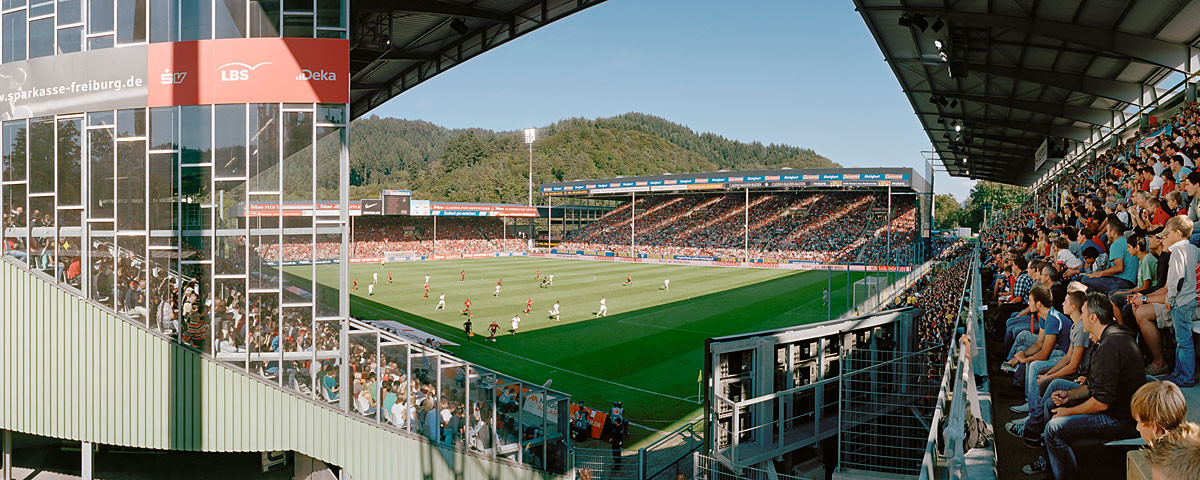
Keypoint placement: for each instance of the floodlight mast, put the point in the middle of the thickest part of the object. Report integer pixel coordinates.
(530, 137)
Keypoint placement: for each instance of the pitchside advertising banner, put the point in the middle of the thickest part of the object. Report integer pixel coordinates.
(719, 261)
(243, 70)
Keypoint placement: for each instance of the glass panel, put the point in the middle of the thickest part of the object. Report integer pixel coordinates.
(231, 18)
(100, 16)
(196, 134)
(263, 220)
(481, 430)
(196, 204)
(13, 39)
(328, 275)
(193, 315)
(164, 212)
(328, 380)
(363, 361)
(329, 13)
(164, 26)
(131, 185)
(38, 8)
(393, 394)
(10, 4)
(100, 267)
(70, 11)
(264, 148)
(197, 19)
(101, 172)
(297, 339)
(331, 113)
(164, 281)
(41, 155)
(264, 335)
(16, 219)
(70, 170)
(41, 37)
(164, 128)
(328, 175)
(131, 123)
(14, 151)
(508, 408)
(264, 18)
(230, 140)
(297, 280)
(70, 241)
(106, 117)
(230, 255)
(453, 413)
(131, 277)
(97, 43)
(228, 313)
(297, 154)
(331, 34)
(131, 21)
(297, 5)
(298, 26)
(70, 40)
(41, 243)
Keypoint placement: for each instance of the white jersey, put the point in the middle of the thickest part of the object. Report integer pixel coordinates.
(371, 289)
(516, 322)
(497, 289)
(427, 279)
(551, 278)
(667, 284)
(602, 303)
(554, 309)
(376, 277)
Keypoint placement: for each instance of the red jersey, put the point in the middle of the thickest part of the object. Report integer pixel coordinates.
(426, 288)
(467, 304)
(493, 327)
(529, 303)
(499, 282)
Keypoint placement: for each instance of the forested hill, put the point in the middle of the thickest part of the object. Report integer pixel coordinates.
(475, 165)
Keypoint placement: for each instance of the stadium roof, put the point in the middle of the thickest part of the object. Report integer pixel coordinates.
(1014, 73)
(905, 179)
(397, 44)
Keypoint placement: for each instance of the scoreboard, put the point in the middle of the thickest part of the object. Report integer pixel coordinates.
(396, 204)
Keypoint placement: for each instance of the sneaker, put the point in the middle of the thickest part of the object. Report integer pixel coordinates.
(1038, 466)
(1016, 428)
(1181, 384)
(1022, 408)
(1156, 372)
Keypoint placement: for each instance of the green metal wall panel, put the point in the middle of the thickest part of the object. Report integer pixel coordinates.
(74, 371)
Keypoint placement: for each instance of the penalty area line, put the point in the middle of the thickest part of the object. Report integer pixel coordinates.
(558, 368)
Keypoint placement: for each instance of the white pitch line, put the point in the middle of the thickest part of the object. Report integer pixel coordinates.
(584, 375)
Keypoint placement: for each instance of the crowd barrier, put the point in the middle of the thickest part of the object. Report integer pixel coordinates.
(701, 261)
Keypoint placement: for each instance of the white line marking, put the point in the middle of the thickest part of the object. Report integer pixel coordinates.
(584, 375)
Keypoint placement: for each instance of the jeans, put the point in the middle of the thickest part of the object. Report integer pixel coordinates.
(1014, 327)
(1061, 431)
(1031, 371)
(1195, 238)
(1045, 407)
(1185, 351)
(1105, 284)
(1023, 341)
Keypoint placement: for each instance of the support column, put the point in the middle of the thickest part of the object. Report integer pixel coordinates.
(549, 221)
(5, 455)
(632, 227)
(85, 452)
(746, 230)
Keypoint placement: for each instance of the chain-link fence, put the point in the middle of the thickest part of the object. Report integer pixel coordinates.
(709, 468)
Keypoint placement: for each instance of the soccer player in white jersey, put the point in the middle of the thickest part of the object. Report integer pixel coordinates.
(427, 279)
(516, 322)
(497, 294)
(370, 289)
(554, 311)
(603, 312)
(667, 284)
(441, 302)
(375, 278)
(551, 279)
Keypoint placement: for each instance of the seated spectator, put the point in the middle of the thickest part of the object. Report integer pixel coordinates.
(1157, 407)
(1176, 456)
(1098, 409)
(1047, 345)
(1122, 267)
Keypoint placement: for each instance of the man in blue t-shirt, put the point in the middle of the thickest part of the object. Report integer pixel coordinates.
(1052, 340)
(1122, 266)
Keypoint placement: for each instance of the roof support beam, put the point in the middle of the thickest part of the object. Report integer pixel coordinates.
(1116, 90)
(1015, 152)
(1147, 49)
(1010, 139)
(433, 7)
(1094, 116)
(1073, 133)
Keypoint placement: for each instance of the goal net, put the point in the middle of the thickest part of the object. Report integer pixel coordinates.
(869, 288)
(400, 256)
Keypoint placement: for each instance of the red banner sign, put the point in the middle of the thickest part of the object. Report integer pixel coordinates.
(249, 70)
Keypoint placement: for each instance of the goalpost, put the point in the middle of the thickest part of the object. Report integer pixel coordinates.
(869, 287)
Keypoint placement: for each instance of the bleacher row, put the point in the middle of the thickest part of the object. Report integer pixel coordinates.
(1092, 294)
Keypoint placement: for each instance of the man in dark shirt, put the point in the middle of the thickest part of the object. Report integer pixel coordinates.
(1098, 409)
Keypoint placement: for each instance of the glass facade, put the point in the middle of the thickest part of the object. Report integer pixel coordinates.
(145, 211)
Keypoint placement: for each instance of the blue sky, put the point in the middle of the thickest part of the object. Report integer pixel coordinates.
(804, 73)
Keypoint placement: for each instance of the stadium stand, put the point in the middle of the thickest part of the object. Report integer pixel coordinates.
(375, 235)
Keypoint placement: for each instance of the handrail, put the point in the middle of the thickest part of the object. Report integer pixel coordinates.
(954, 385)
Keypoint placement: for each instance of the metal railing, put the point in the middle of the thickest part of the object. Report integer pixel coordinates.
(668, 452)
(958, 390)
(708, 468)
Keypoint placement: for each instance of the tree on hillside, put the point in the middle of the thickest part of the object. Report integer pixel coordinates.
(947, 212)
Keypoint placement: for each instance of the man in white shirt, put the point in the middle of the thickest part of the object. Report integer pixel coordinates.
(603, 312)
(516, 322)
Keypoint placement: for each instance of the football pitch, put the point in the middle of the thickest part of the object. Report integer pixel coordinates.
(647, 353)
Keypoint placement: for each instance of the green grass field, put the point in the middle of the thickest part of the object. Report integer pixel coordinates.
(648, 351)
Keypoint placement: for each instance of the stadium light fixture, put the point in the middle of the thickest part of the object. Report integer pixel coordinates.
(904, 20)
(920, 22)
(958, 128)
(459, 26)
(937, 44)
(937, 25)
(953, 103)
(530, 137)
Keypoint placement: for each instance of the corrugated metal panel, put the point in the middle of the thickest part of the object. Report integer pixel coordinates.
(73, 371)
